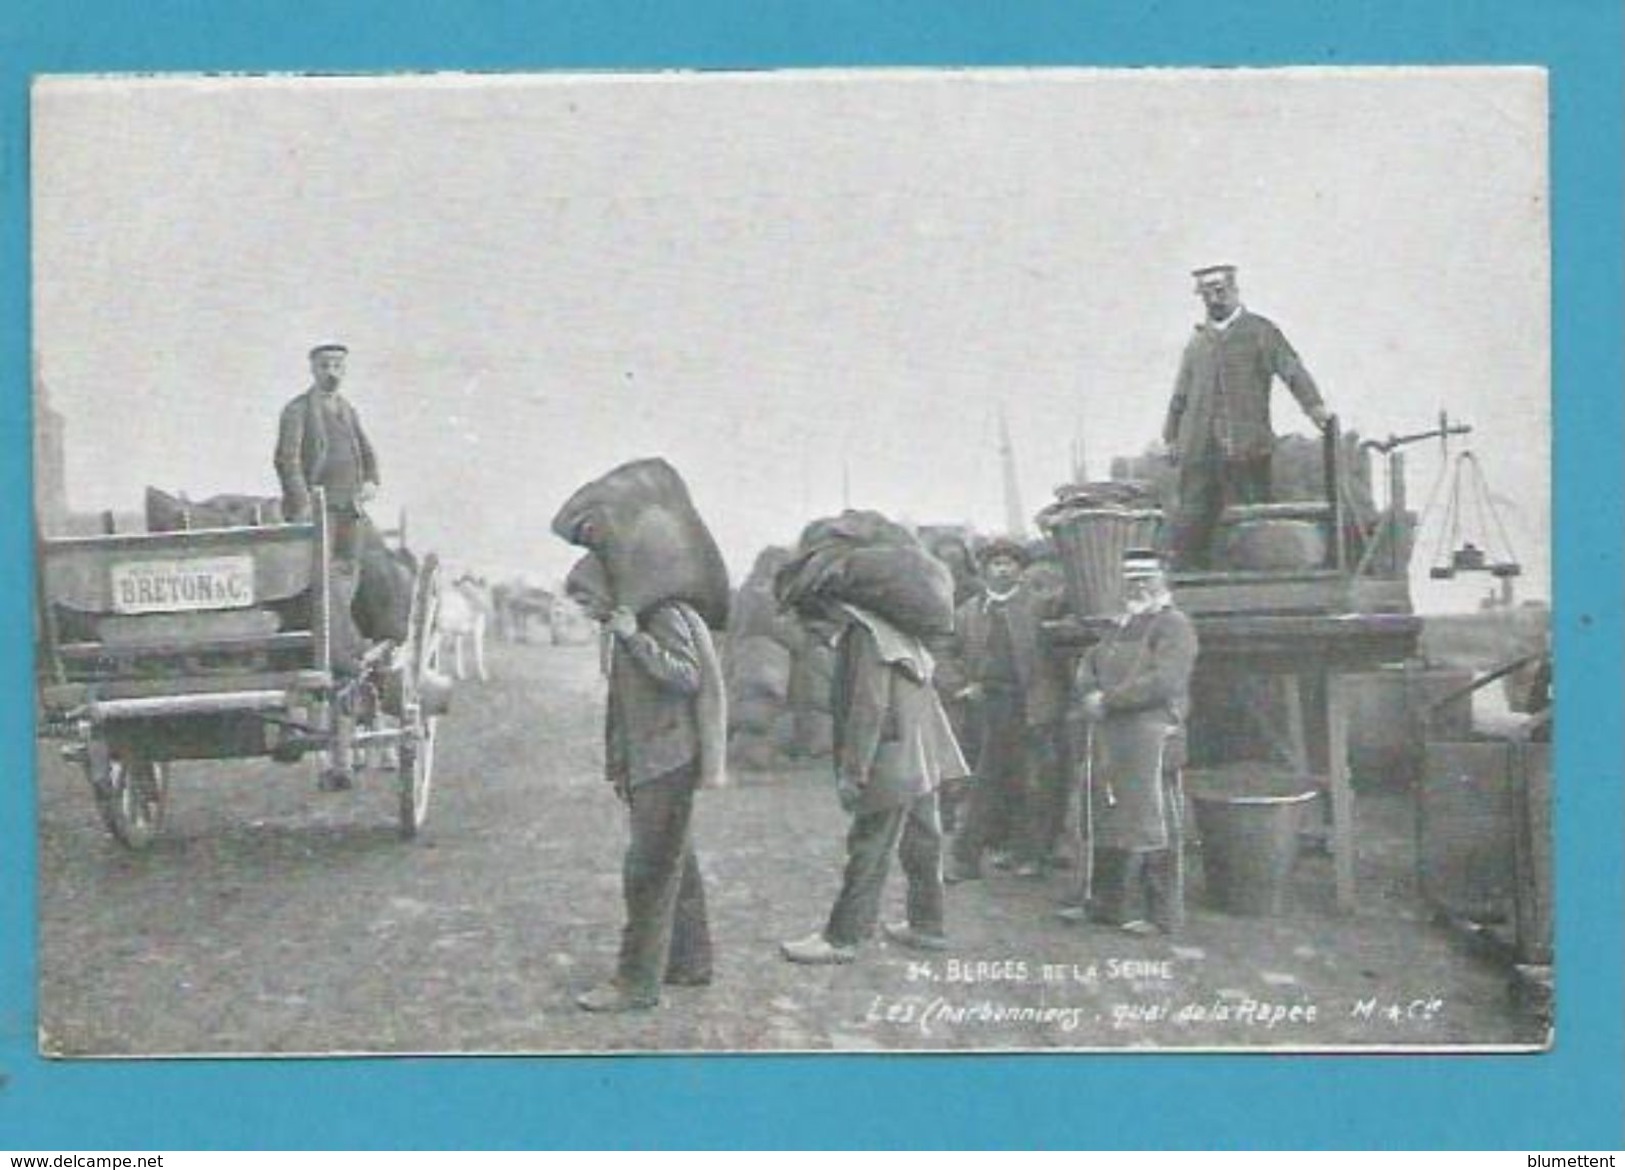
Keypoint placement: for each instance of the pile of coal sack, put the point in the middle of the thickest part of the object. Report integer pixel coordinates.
(777, 678)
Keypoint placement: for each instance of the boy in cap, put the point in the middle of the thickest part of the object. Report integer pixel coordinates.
(1218, 424)
(1134, 694)
(1013, 686)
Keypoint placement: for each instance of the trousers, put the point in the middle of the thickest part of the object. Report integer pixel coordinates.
(1208, 484)
(667, 932)
(996, 816)
(1048, 793)
(1130, 884)
(914, 832)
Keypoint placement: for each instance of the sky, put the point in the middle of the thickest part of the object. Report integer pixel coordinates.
(800, 288)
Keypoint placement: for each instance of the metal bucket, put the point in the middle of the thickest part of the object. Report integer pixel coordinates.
(1249, 821)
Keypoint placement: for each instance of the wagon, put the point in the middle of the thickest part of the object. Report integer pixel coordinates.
(218, 644)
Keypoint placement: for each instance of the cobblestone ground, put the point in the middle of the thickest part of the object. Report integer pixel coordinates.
(270, 918)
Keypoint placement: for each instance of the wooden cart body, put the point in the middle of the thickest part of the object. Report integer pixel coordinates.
(218, 644)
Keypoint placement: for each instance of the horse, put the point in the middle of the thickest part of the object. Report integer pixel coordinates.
(517, 603)
(465, 611)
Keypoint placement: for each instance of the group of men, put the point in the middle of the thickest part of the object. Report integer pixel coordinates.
(1109, 727)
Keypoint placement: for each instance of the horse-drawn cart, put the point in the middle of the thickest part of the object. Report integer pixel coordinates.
(219, 643)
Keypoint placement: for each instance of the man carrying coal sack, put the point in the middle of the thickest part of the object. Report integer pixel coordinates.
(1133, 689)
(1016, 691)
(654, 578)
(1217, 429)
(865, 585)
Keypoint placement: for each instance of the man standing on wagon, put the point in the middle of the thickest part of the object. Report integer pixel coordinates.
(320, 443)
(1218, 425)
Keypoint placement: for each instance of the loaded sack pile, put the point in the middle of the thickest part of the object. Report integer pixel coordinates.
(640, 522)
(863, 559)
(1290, 533)
(778, 678)
(647, 546)
(856, 558)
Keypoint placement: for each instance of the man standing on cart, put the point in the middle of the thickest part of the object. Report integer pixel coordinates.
(1218, 425)
(321, 443)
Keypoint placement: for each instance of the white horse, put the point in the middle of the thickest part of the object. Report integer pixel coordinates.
(465, 611)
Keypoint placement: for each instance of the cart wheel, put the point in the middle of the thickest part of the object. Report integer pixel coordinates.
(417, 728)
(130, 795)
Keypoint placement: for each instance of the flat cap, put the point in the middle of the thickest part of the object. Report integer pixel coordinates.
(328, 347)
(1003, 546)
(1214, 272)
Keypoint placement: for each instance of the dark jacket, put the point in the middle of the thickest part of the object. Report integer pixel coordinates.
(892, 739)
(1223, 389)
(1143, 666)
(652, 726)
(1041, 672)
(301, 452)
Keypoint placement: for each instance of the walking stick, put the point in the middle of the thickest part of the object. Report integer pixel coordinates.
(1086, 860)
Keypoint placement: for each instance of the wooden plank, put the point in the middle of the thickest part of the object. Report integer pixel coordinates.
(169, 543)
(1328, 593)
(148, 629)
(134, 688)
(1532, 791)
(1279, 641)
(1333, 447)
(78, 570)
(1292, 702)
(207, 703)
(321, 571)
(1337, 768)
(131, 652)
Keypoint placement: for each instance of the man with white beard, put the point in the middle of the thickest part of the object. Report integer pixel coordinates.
(1133, 688)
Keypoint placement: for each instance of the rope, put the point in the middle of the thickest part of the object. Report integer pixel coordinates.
(1487, 507)
(1433, 498)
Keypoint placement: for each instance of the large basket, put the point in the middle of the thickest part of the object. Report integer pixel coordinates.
(1092, 542)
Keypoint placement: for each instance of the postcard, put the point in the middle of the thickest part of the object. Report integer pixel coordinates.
(975, 560)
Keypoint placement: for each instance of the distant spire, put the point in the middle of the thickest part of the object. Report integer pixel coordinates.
(1015, 517)
(1080, 467)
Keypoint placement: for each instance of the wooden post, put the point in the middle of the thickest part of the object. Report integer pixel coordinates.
(1397, 504)
(1292, 703)
(1337, 770)
(321, 583)
(1334, 490)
